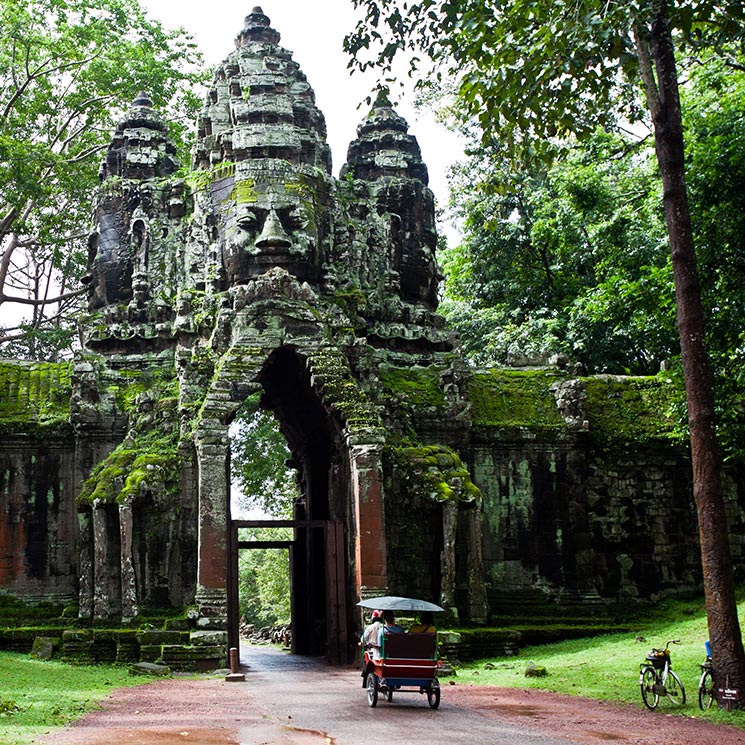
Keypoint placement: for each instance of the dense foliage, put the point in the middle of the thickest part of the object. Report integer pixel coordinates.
(714, 100)
(258, 463)
(263, 484)
(571, 259)
(528, 71)
(68, 71)
(264, 580)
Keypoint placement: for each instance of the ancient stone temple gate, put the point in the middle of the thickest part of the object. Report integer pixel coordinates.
(261, 273)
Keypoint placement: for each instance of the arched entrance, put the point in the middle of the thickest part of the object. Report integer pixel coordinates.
(339, 485)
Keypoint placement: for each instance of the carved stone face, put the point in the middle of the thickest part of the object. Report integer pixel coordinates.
(273, 222)
(109, 275)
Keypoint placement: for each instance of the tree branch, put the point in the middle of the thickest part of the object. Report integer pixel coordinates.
(646, 70)
(8, 252)
(41, 302)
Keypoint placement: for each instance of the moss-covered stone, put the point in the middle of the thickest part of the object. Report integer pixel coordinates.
(148, 459)
(417, 386)
(635, 410)
(21, 639)
(515, 398)
(332, 377)
(34, 396)
(434, 471)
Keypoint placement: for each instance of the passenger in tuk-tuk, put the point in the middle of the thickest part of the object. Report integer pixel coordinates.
(426, 624)
(369, 639)
(389, 627)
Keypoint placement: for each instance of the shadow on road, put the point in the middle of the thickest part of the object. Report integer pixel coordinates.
(265, 659)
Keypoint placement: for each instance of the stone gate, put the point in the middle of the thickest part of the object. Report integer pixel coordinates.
(260, 272)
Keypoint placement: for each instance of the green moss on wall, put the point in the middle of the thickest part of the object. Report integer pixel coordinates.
(633, 409)
(132, 468)
(332, 377)
(34, 395)
(352, 302)
(515, 398)
(417, 386)
(148, 459)
(435, 472)
(616, 408)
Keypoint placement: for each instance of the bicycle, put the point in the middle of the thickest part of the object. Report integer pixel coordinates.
(706, 690)
(657, 678)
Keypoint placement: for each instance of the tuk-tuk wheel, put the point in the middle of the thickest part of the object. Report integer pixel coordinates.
(433, 695)
(372, 689)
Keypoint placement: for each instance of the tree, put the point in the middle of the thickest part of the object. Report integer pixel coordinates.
(258, 460)
(264, 580)
(714, 118)
(532, 70)
(571, 258)
(68, 71)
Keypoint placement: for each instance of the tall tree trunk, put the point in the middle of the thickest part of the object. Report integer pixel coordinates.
(719, 587)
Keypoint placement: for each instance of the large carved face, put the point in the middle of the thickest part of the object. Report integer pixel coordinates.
(275, 220)
(110, 261)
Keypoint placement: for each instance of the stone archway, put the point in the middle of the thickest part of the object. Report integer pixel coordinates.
(335, 561)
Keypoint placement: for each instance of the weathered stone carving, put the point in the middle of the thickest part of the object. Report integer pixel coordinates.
(132, 250)
(285, 280)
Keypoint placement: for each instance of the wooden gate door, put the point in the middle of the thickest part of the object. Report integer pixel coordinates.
(337, 633)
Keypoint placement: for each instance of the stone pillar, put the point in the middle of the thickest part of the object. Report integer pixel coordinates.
(212, 561)
(447, 557)
(370, 545)
(129, 580)
(103, 603)
(476, 587)
(85, 592)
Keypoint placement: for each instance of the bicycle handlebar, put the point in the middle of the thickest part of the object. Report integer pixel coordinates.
(669, 642)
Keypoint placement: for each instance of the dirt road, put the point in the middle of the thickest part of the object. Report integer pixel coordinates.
(299, 701)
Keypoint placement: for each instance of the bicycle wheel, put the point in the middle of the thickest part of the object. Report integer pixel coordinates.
(647, 684)
(674, 690)
(706, 693)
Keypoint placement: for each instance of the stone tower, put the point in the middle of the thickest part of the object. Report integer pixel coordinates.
(262, 273)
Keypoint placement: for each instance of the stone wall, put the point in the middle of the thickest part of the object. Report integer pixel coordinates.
(575, 520)
(586, 487)
(38, 556)
(38, 524)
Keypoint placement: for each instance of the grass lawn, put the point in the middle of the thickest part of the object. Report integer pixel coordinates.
(38, 696)
(607, 667)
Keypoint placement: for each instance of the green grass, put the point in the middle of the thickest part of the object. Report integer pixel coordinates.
(36, 697)
(607, 667)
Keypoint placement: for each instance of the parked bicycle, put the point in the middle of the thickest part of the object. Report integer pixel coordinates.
(657, 678)
(706, 690)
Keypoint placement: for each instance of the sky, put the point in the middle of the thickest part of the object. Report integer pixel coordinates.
(313, 32)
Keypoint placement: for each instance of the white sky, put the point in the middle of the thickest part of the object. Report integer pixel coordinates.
(313, 32)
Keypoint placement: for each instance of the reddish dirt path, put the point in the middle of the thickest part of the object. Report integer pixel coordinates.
(592, 722)
(295, 701)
